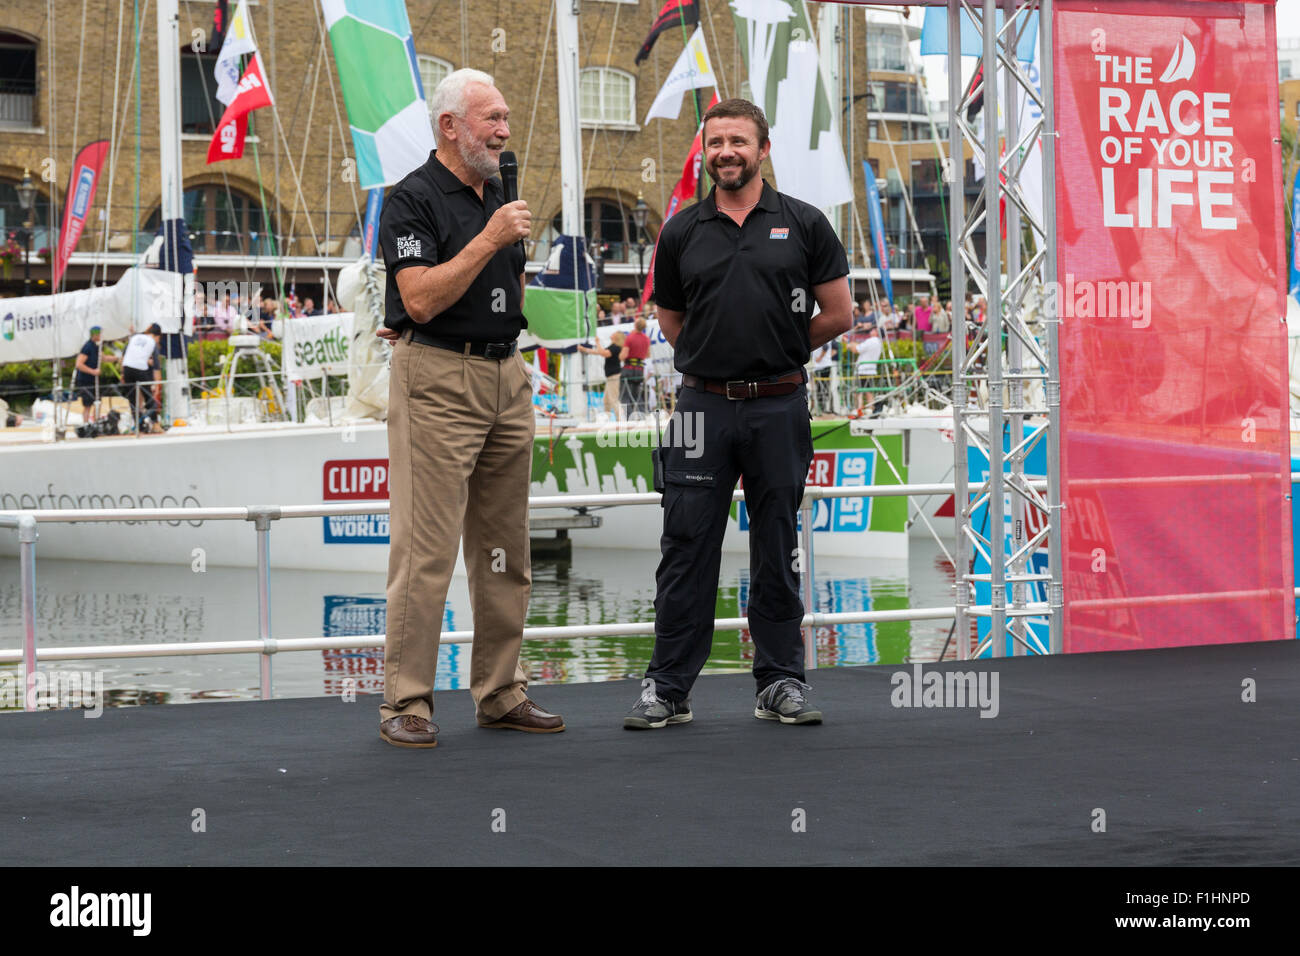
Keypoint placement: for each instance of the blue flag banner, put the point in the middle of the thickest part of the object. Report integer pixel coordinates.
(1294, 284)
(934, 36)
(878, 231)
(374, 203)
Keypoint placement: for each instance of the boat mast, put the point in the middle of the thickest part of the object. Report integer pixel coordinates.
(571, 191)
(175, 370)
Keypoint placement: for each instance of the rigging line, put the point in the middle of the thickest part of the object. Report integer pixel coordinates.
(537, 91)
(343, 136)
(114, 144)
(600, 132)
(417, 36)
(907, 199)
(695, 92)
(919, 71)
(717, 69)
(591, 150)
(464, 34)
(306, 140)
(225, 176)
(99, 128)
(57, 364)
(659, 128)
(288, 149)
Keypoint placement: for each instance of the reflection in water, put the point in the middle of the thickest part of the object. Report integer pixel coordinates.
(98, 603)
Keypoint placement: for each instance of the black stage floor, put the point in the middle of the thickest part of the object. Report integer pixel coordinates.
(1186, 773)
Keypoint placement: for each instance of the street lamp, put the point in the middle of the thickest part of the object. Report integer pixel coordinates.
(639, 213)
(27, 200)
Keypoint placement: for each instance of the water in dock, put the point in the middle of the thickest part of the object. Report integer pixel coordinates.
(81, 603)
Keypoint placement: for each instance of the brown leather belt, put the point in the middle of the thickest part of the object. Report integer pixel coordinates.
(739, 389)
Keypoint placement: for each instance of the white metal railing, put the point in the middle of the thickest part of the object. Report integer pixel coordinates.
(26, 523)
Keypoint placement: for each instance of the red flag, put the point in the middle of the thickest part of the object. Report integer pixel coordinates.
(81, 194)
(251, 94)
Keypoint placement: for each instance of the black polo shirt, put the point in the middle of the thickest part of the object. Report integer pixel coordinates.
(746, 291)
(429, 217)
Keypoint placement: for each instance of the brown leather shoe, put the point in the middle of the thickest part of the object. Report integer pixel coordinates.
(409, 730)
(527, 717)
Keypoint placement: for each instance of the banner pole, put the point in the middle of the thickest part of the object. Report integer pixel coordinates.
(1056, 508)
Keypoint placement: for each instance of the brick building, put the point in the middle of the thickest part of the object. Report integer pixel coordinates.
(292, 202)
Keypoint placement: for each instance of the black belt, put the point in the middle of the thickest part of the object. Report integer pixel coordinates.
(737, 390)
(492, 350)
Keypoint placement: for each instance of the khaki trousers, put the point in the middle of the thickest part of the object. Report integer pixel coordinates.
(460, 448)
(611, 393)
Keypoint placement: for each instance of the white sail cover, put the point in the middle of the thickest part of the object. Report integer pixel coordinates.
(57, 326)
(361, 290)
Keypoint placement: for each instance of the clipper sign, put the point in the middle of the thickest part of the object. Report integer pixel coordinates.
(355, 479)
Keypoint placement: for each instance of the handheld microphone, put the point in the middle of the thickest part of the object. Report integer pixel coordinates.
(509, 169)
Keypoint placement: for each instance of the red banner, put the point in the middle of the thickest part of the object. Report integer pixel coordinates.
(251, 94)
(81, 196)
(1175, 441)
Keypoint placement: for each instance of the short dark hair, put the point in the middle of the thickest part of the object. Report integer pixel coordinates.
(736, 107)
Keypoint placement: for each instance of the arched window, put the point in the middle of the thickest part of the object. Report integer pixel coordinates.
(12, 215)
(608, 225)
(221, 222)
(17, 80)
(607, 97)
(432, 72)
(200, 108)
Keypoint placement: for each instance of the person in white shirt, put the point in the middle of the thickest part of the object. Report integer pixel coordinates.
(868, 350)
(822, 360)
(140, 365)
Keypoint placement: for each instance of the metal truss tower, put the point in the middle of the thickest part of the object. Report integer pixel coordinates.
(1006, 385)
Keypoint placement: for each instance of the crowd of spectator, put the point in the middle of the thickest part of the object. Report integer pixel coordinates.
(231, 316)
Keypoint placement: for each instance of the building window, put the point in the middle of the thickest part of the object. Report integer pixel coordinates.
(885, 49)
(607, 97)
(17, 80)
(432, 72)
(608, 224)
(220, 222)
(12, 215)
(200, 108)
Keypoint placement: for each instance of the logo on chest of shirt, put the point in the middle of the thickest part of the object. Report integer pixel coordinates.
(781, 232)
(408, 247)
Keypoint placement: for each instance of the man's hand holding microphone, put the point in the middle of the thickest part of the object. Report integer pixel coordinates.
(511, 223)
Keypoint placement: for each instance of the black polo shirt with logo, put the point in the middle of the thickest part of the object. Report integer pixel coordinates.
(428, 218)
(746, 291)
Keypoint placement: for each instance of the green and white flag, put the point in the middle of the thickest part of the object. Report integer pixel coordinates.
(558, 318)
(776, 40)
(381, 87)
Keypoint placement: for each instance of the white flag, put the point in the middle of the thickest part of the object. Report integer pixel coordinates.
(691, 71)
(238, 41)
(785, 76)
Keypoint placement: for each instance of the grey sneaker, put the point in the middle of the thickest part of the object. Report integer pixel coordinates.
(652, 711)
(785, 701)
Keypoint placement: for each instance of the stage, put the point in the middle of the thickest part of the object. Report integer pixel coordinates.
(1161, 741)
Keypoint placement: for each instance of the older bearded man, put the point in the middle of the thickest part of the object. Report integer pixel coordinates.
(460, 419)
